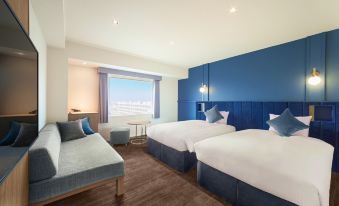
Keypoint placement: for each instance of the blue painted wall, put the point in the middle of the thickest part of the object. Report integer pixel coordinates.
(332, 66)
(267, 81)
(273, 74)
(315, 58)
(277, 73)
(189, 94)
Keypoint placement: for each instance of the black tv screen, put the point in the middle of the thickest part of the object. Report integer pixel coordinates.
(18, 77)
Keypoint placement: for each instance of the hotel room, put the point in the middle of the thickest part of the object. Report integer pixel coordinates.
(224, 102)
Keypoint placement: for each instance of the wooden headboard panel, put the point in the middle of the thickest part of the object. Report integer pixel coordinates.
(253, 115)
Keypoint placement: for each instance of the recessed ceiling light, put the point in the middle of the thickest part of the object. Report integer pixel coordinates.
(115, 22)
(171, 43)
(233, 10)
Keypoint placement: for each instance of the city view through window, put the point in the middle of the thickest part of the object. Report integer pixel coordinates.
(130, 97)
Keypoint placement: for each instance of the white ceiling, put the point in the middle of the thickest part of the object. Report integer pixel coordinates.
(201, 31)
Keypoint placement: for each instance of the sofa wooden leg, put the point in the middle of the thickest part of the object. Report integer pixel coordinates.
(120, 189)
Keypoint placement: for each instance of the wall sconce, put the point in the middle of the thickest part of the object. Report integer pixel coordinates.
(314, 79)
(203, 89)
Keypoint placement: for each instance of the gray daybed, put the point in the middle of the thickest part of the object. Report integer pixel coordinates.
(60, 169)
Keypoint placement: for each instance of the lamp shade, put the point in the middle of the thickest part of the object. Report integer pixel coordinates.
(203, 89)
(315, 77)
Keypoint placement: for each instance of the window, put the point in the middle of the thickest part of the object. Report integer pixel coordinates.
(130, 96)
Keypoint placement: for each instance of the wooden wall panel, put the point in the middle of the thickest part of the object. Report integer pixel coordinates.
(21, 9)
(14, 191)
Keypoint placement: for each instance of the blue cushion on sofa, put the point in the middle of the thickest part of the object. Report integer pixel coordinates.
(286, 124)
(86, 126)
(213, 115)
(11, 135)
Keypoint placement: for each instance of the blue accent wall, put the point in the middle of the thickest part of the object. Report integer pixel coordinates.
(186, 110)
(332, 65)
(189, 88)
(273, 74)
(277, 73)
(255, 84)
(315, 58)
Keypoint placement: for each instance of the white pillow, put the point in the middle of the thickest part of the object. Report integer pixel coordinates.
(306, 120)
(224, 120)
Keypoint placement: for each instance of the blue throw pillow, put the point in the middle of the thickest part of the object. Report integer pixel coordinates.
(286, 124)
(11, 134)
(86, 126)
(213, 115)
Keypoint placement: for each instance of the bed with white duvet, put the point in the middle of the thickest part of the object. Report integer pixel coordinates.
(296, 168)
(182, 136)
(173, 143)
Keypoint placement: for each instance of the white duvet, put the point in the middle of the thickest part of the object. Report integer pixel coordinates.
(297, 169)
(183, 135)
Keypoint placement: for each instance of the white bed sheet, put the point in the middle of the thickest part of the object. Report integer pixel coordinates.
(184, 134)
(297, 169)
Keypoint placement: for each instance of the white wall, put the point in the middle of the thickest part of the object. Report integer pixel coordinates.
(168, 100)
(53, 81)
(39, 42)
(58, 82)
(57, 85)
(83, 88)
(134, 63)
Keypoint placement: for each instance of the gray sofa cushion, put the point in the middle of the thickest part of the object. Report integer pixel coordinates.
(82, 162)
(44, 154)
(70, 130)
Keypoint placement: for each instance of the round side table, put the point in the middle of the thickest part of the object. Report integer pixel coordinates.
(142, 138)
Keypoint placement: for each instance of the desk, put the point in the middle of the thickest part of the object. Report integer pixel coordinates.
(142, 138)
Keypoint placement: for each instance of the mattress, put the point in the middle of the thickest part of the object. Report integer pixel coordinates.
(183, 135)
(296, 169)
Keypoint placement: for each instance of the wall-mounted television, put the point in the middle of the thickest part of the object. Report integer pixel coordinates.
(18, 76)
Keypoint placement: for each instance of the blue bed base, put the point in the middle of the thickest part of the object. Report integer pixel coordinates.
(180, 161)
(233, 190)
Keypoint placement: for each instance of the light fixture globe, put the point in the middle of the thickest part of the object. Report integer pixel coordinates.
(203, 89)
(314, 79)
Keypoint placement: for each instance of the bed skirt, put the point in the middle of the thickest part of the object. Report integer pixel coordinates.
(178, 160)
(233, 190)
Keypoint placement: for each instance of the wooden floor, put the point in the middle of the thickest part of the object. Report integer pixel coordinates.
(150, 182)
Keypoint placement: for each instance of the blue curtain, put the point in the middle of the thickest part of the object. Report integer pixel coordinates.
(156, 99)
(103, 95)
